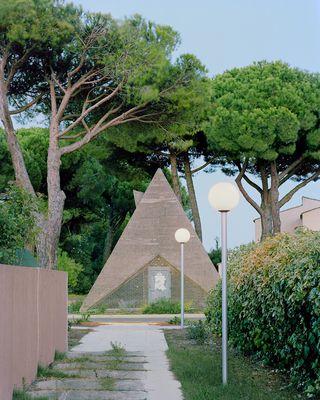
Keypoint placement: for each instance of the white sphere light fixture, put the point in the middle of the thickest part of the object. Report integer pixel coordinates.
(182, 235)
(224, 196)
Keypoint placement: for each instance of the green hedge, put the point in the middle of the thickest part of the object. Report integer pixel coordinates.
(165, 306)
(274, 305)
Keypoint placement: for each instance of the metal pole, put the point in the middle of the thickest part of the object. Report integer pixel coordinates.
(224, 298)
(182, 287)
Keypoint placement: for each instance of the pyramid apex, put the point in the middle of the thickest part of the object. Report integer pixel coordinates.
(159, 172)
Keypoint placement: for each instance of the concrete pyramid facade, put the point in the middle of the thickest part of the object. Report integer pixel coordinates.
(150, 235)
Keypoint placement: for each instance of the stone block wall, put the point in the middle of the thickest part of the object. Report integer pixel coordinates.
(134, 292)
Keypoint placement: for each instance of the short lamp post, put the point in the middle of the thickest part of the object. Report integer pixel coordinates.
(224, 196)
(182, 236)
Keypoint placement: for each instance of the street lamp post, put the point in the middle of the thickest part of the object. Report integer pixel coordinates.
(224, 196)
(182, 236)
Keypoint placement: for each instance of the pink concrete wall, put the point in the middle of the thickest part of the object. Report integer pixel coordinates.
(33, 323)
(311, 219)
(291, 218)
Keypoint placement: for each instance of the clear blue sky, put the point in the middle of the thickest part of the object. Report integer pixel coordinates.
(232, 33)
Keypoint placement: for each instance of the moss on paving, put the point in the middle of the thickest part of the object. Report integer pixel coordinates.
(107, 383)
(22, 395)
(50, 372)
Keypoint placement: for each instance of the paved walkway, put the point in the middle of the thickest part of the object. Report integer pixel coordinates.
(116, 362)
(138, 318)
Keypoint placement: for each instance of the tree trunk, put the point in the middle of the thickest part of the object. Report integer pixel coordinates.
(274, 198)
(21, 173)
(56, 197)
(266, 221)
(192, 196)
(175, 177)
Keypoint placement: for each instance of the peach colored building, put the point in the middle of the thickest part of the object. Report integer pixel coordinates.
(306, 214)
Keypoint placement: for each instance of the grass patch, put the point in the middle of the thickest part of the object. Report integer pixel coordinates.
(198, 368)
(81, 359)
(118, 351)
(49, 372)
(22, 395)
(113, 365)
(107, 383)
(59, 356)
(197, 331)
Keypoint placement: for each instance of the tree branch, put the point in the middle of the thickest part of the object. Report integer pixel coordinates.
(246, 178)
(126, 116)
(27, 106)
(289, 195)
(85, 112)
(201, 167)
(243, 191)
(291, 168)
(17, 64)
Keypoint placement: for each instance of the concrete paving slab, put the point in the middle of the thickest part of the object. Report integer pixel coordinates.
(90, 395)
(102, 357)
(100, 373)
(159, 381)
(111, 364)
(87, 384)
(106, 395)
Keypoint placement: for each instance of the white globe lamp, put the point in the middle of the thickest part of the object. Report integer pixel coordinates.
(224, 196)
(182, 235)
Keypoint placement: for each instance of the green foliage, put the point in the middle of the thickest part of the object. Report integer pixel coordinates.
(74, 307)
(59, 356)
(263, 111)
(215, 254)
(66, 263)
(198, 368)
(107, 383)
(175, 320)
(99, 198)
(26, 22)
(17, 227)
(85, 316)
(101, 309)
(197, 331)
(274, 304)
(165, 306)
(23, 395)
(118, 350)
(49, 372)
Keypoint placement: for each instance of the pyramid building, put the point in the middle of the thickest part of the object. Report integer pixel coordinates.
(145, 264)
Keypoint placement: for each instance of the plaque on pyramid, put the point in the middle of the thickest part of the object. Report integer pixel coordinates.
(145, 263)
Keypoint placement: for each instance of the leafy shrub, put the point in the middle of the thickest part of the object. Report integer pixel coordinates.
(165, 306)
(74, 307)
(197, 331)
(17, 226)
(66, 263)
(175, 321)
(101, 309)
(274, 304)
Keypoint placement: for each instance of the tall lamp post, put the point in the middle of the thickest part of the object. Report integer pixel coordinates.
(182, 236)
(224, 196)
